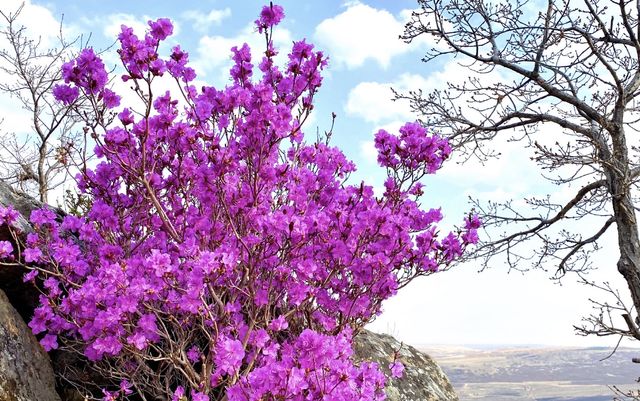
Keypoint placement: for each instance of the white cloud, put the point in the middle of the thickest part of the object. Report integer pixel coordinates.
(362, 33)
(113, 22)
(513, 169)
(110, 26)
(422, 312)
(39, 21)
(201, 21)
(369, 151)
(214, 52)
(41, 25)
(373, 102)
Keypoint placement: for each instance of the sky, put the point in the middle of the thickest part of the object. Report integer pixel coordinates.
(460, 306)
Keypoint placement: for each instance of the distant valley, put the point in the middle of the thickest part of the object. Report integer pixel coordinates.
(536, 373)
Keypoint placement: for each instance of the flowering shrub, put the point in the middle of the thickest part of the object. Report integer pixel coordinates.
(223, 257)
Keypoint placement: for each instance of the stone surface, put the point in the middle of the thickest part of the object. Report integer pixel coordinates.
(21, 202)
(25, 369)
(423, 380)
(23, 297)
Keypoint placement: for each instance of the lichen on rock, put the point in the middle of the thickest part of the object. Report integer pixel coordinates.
(25, 369)
(423, 379)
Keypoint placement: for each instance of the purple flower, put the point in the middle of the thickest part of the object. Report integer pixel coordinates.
(397, 369)
(161, 28)
(158, 67)
(66, 254)
(138, 340)
(109, 395)
(472, 221)
(49, 342)
(41, 217)
(6, 249)
(39, 320)
(214, 223)
(8, 215)
(147, 323)
(279, 324)
(470, 237)
(110, 98)
(198, 396)
(116, 136)
(125, 387)
(193, 354)
(71, 223)
(107, 345)
(260, 338)
(126, 117)
(269, 17)
(30, 276)
(229, 355)
(451, 247)
(178, 394)
(65, 94)
(160, 263)
(86, 71)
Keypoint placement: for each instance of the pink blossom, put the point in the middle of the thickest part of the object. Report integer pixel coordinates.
(6, 249)
(223, 239)
(65, 94)
(397, 369)
(229, 355)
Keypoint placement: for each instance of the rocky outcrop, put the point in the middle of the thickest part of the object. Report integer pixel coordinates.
(22, 295)
(423, 380)
(21, 202)
(25, 369)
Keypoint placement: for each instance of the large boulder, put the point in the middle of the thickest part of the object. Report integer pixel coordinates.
(25, 369)
(23, 296)
(423, 380)
(23, 203)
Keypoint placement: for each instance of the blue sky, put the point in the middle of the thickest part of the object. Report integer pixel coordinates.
(366, 60)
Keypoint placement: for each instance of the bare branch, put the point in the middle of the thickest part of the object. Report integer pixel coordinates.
(41, 163)
(574, 66)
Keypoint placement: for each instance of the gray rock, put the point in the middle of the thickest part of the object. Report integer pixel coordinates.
(23, 203)
(423, 380)
(25, 369)
(23, 296)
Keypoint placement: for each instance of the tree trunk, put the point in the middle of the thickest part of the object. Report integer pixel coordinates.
(43, 188)
(619, 177)
(629, 245)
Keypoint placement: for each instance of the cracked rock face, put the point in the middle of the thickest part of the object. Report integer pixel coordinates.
(423, 380)
(23, 296)
(25, 369)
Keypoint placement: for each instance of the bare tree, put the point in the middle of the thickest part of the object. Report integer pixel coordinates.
(569, 88)
(625, 395)
(35, 161)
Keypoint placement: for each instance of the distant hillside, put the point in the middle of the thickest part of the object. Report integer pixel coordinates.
(541, 374)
